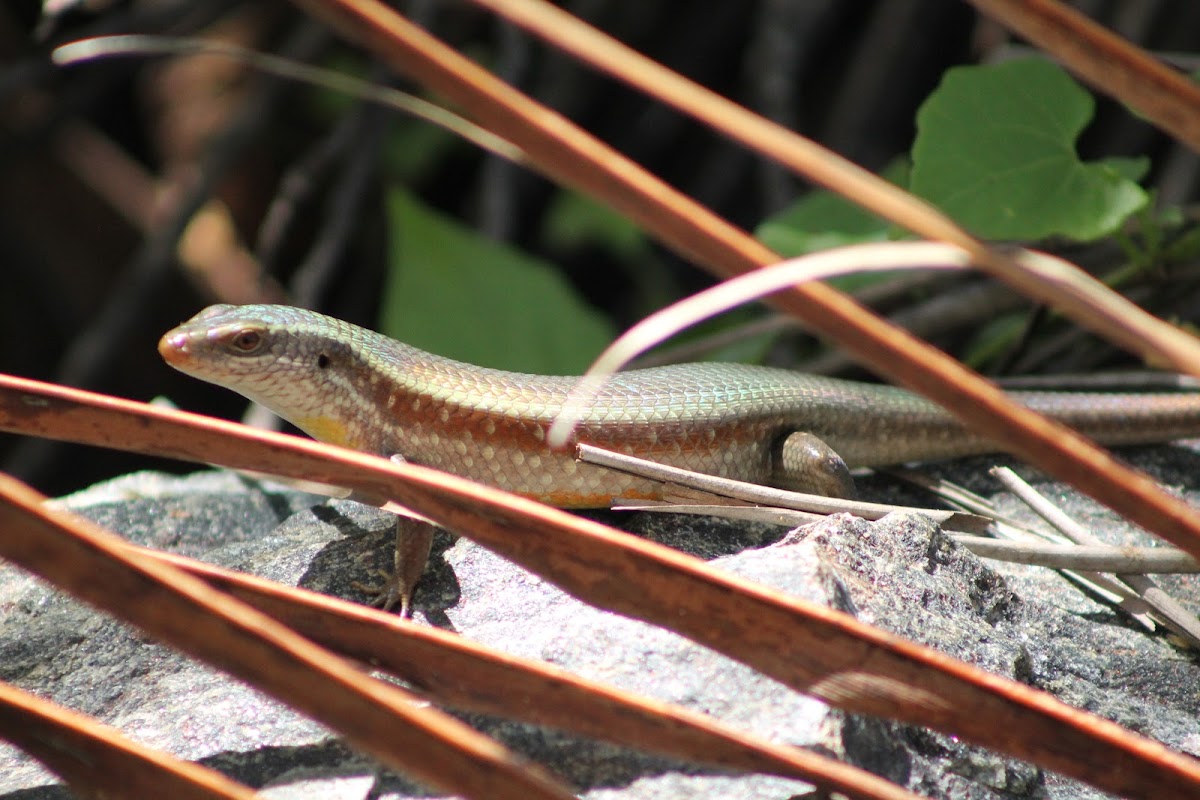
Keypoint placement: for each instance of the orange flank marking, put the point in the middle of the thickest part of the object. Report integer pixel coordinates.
(568, 499)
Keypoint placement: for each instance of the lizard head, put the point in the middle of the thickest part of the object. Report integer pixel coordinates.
(287, 359)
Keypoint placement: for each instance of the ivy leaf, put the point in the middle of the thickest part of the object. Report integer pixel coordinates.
(575, 220)
(822, 220)
(458, 294)
(995, 149)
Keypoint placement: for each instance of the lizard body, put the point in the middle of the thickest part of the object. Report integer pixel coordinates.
(350, 386)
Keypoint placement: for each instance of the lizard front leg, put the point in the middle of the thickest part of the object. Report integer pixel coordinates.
(414, 540)
(803, 462)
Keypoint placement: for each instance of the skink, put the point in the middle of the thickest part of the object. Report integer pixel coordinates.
(350, 386)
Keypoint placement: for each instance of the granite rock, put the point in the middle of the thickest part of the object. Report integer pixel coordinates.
(900, 573)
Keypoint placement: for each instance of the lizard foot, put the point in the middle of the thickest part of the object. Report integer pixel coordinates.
(413, 542)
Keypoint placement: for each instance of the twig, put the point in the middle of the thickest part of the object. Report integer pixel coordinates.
(1091, 558)
(696, 349)
(749, 492)
(289, 67)
(948, 309)
(1172, 613)
(95, 347)
(1094, 558)
(302, 179)
(787, 517)
(344, 209)
(1124, 381)
(1111, 591)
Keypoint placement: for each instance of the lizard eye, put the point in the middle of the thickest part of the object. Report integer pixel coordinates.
(247, 341)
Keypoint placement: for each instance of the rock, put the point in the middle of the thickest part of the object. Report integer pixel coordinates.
(900, 573)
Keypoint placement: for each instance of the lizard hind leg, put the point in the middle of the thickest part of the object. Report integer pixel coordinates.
(804, 463)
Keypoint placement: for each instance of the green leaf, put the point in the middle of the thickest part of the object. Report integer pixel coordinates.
(574, 220)
(415, 148)
(995, 149)
(994, 339)
(455, 293)
(1184, 248)
(1133, 169)
(822, 220)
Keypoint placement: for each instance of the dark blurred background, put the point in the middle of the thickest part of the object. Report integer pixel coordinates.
(135, 191)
